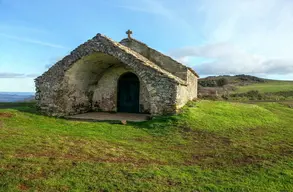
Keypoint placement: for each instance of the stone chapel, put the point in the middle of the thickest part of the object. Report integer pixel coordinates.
(104, 75)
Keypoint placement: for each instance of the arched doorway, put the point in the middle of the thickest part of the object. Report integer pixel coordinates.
(128, 93)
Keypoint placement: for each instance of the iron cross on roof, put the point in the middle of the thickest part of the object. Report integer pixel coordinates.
(129, 33)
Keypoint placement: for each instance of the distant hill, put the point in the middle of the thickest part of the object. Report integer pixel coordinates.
(240, 86)
(239, 80)
(16, 96)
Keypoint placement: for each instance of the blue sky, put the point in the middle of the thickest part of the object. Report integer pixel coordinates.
(212, 36)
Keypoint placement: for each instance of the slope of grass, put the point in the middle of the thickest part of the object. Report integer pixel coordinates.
(210, 146)
(267, 87)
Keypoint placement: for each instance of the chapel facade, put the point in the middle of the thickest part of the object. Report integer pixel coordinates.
(104, 75)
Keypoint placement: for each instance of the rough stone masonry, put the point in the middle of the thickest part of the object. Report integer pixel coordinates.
(88, 79)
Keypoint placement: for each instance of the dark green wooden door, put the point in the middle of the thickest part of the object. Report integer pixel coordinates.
(128, 93)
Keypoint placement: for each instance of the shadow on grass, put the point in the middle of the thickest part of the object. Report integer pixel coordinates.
(157, 126)
(28, 107)
(160, 125)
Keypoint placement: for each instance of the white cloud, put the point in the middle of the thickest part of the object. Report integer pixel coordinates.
(230, 59)
(257, 36)
(11, 75)
(240, 36)
(33, 75)
(17, 75)
(32, 41)
(17, 84)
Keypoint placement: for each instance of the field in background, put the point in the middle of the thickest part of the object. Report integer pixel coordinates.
(209, 146)
(244, 87)
(267, 87)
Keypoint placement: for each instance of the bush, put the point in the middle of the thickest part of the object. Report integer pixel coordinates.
(207, 83)
(213, 82)
(222, 81)
(210, 97)
(251, 95)
(249, 78)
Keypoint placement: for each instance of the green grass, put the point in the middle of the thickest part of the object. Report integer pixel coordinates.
(270, 86)
(209, 146)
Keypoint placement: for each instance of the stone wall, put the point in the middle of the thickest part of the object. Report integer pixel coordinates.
(189, 92)
(65, 89)
(160, 59)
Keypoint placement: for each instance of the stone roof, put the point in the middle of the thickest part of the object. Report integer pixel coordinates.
(104, 44)
(144, 60)
(161, 54)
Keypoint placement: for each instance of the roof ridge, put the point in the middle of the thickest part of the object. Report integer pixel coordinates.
(169, 57)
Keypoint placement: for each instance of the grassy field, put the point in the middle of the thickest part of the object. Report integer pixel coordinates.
(210, 146)
(270, 86)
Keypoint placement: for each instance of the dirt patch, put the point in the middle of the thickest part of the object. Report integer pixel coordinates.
(23, 187)
(258, 131)
(282, 148)
(206, 139)
(248, 160)
(79, 156)
(6, 115)
(287, 104)
(205, 148)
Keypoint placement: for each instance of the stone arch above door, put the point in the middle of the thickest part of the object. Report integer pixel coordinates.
(105, 92)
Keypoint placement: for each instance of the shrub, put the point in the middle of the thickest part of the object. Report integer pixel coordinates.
(211, 97)
(251, 95)
(245, 78)
(222, 81)
(207, 83)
